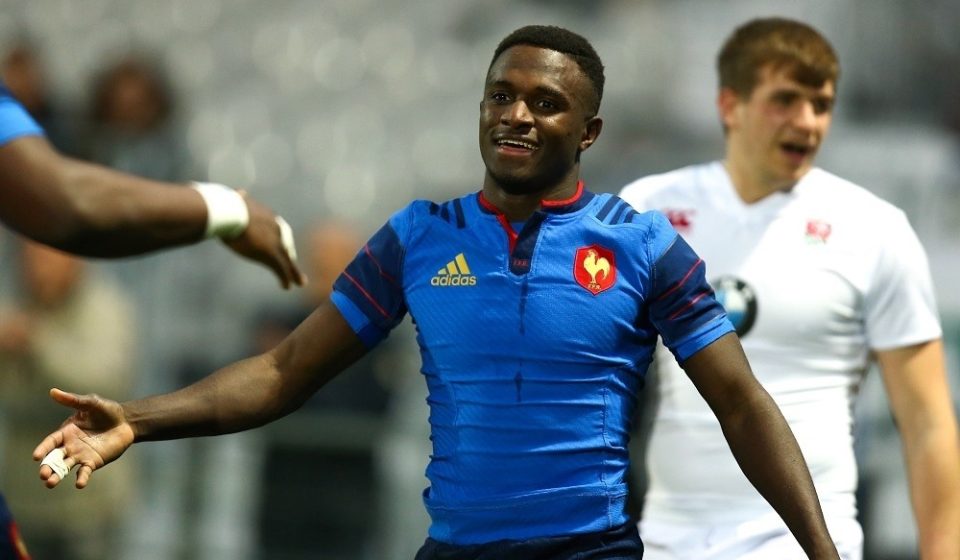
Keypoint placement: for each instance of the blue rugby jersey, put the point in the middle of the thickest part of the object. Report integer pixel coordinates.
(534, 347)
(14, 119)
(11, 545)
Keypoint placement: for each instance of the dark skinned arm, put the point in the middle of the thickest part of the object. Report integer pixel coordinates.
(94, 211)
(761, 440)
(241, 396)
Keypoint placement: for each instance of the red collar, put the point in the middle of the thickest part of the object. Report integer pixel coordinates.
(575, 202)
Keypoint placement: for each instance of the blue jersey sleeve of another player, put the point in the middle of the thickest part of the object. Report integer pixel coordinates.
(14, 119)
(681, 302)
(369, 292)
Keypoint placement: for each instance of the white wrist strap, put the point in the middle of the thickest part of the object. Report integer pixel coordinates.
(227, 214)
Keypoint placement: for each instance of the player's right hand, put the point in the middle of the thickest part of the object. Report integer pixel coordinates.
(96, 434)
(263, 241)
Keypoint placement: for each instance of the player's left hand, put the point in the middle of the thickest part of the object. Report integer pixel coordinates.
(265, 241)
(96, 434)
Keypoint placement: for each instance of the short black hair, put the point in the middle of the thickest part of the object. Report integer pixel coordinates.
(564, 41)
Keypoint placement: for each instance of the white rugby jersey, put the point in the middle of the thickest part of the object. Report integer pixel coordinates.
(813, 279)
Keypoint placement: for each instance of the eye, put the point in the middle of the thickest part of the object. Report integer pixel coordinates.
(498, 97)
(547, 105)
(822, 105)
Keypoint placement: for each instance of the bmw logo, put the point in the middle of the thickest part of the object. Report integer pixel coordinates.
(739, 300)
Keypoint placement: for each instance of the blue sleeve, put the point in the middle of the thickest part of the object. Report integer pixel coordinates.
(14, 119)
(369, 292)
(682, 306)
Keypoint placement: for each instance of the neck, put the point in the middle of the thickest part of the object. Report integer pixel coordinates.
(750, 182)
(519, 206)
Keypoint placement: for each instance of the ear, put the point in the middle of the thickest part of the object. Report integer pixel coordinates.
(727, 101)
(590, 132)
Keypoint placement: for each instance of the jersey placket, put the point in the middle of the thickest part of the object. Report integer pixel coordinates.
(523, 244)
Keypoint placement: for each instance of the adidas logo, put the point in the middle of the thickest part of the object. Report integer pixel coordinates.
(456, 273)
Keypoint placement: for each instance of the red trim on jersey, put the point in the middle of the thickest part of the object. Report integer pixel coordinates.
(366, 249)
(16, 542)
(502, 218)
(367, 295)
(547, 204)
(689, 304)
(681, 282)
(566, 201)
(487, 204)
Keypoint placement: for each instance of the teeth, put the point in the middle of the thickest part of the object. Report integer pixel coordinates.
(517, 143)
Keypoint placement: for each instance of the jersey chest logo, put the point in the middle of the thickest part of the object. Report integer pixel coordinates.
(818, 231)
(739, 300)
(680, 218)
(455, 273)
(594, 268)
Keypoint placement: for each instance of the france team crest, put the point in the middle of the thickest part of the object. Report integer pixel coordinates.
(594, 268)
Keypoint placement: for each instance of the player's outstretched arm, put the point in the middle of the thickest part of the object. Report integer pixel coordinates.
(916, 381)
(91, 210)
(243, 395)
(761, 440)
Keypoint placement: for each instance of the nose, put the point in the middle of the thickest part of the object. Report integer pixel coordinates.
(805, 117)
(517, 115)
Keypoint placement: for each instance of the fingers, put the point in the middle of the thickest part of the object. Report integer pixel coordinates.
(269, 240)
(66, 399)
(286, 262)
(83, 476)
(48, 444)
(286, 238)
(56, 465)
(49, 477)
(291, 271)
(75, 401)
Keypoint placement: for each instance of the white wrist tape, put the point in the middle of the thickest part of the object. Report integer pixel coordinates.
(227, 214)
(54, 460)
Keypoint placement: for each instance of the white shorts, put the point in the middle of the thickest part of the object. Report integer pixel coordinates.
(764, 538)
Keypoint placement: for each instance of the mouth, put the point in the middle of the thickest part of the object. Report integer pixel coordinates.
(797, 152)
(515, 146)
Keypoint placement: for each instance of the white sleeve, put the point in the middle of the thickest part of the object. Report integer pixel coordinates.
(899, 307)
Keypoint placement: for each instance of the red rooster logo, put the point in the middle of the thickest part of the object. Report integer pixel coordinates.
(594, 264)
(594, 268)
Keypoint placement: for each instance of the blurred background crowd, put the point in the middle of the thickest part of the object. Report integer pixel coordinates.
(337, 113)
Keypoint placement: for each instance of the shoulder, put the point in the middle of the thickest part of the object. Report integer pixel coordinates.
(453, 211)
(649, 191)
(849, 200)
(613, 210)
(14, 119)
(633, 227)
(423, 215)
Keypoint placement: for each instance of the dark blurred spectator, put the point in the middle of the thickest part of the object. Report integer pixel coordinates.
(132, 121)
(22, 72)
(68, 328)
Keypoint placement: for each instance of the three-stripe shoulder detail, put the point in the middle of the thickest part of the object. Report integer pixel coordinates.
(615, 211)
(450, 211)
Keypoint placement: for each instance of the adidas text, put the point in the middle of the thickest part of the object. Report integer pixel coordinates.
(457, 280)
